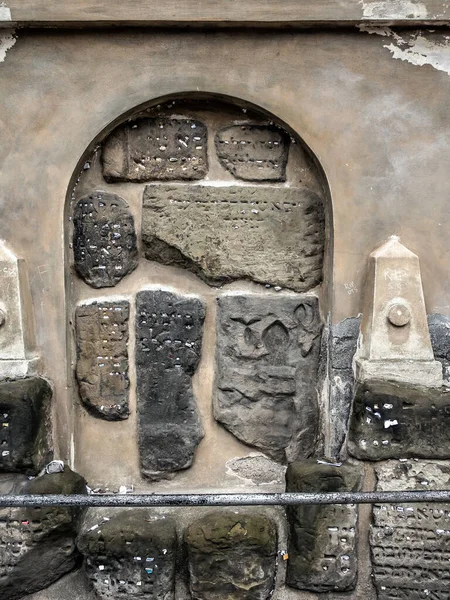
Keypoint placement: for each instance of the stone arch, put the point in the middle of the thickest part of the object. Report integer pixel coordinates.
(163, 180)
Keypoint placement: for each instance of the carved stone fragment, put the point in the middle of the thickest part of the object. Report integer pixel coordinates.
(104, 239)
(37, 544)
(253, 152)
(156, 149)
(267, 234)
(410, 542)
(395, 420)
(322, 539)
(232, 556)
(267, 361)
(24, 424)
(102, 358)
(129, 554)
(168, 346)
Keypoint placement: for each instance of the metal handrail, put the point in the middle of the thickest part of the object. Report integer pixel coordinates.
(269, 499)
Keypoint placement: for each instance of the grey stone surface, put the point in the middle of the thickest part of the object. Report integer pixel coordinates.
(37, 545)
(146, 149)
(231, 556)
(410, 542)
(130, 554)
(25, 426)
(395, 420)
(439, 328)
(267, 361)
(74, 586)
(169, 331)
(104, 239)
(253, 152)
(102, 358)
(267, 234)
(322, 539)
(257, 469)
(344, 339)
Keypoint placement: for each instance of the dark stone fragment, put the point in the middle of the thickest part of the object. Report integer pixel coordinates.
(398, 420)
(104, 239)
(156, 149)
(322, 539)
(439, 327)
(268, 234)
(130, 554)
(74, 586)
(232, 556)
(37, 544)
(102, 358)
(253, 152)
(344, 340)
(168, 346)
(24, 424)
(267, 362)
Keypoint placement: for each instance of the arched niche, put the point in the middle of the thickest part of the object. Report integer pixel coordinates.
(184, 215)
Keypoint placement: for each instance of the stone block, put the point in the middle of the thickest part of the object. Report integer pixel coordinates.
(169, 331)
(232, 556)
(253, 152)
(439, 328)
(24, 424)
(322, 539)
(267, 364)
(410, 542)
(130, 554)
(104, 239)
(37, 545)
(102, 358)
(395, 420)
(156, 149)
(271, 235)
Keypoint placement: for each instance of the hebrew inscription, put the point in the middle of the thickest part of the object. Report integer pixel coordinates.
(102, 358)
(322, 539)
(410, 543)
(399, 420)
(104, 239)
(267, 362)
(156, 149)
(232, 556)
(271, 235)
(129, 554)
(169, 331)
(253, 152)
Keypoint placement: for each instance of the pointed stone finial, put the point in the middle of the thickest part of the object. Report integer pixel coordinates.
(16, 324)
(395, 341)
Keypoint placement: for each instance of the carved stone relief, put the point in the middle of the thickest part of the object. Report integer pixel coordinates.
(169, 331)
(231, 556)
(102, 358)
(104, 239)
(410, 542)
(267, 361)
(129, 554)
(147, 149)
(322, 539)
(272, 235)
(253, 152)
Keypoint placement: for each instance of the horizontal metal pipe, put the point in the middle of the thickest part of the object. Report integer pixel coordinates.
(283, 499)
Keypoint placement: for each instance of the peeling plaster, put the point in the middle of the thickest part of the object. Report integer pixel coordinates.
(416, 48)
(7, 41)
(394, 9)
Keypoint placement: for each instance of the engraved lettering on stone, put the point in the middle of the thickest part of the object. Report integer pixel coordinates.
(267, 362)
(168, 346)
(253, 152)
(156, 149)
(104, 239)
(272, 235)
(322, 539)
(129, 555)
(410, 543)
(102, 358)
